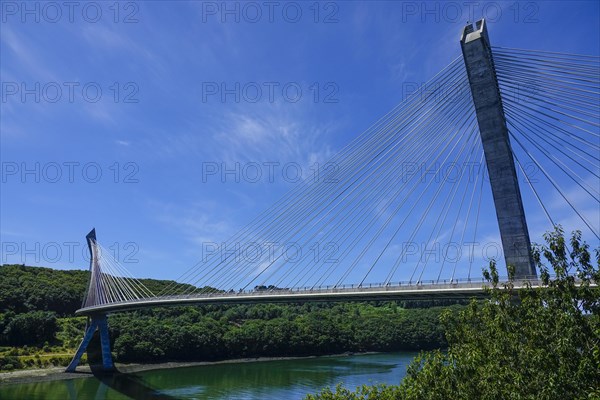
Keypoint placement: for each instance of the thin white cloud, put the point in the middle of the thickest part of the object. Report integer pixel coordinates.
(26, 54)
(274, 133)
(251, 133)
(198, 222)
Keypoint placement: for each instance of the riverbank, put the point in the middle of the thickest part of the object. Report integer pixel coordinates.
(57, 373)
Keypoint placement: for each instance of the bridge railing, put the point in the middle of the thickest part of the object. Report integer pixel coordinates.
(370, 287)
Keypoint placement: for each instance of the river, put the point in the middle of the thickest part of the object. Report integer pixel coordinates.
(265, 380)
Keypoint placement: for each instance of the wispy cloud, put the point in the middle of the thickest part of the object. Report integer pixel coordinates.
(271, 136)
(198, 222)
(27, 55)
(241, 134)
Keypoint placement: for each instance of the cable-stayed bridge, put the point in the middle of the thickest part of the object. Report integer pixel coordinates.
(397, 212)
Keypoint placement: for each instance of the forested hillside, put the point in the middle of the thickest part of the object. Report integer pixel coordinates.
(24, 288)
(37, 324)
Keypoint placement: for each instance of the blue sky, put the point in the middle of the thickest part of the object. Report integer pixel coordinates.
(158, 126)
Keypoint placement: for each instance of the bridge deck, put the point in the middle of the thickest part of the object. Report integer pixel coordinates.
(463, 290)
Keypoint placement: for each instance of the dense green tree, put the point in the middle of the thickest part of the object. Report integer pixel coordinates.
(35, 327)
(210, 333)
(24, 288)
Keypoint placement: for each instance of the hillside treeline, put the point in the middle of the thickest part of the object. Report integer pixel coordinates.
(37, 308)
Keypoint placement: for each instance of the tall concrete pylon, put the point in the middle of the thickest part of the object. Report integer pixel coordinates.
(98, 321)
(477, 54)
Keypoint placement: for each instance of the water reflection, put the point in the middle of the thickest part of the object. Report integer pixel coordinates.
(254, 380)
(115, 385)
(129, 385)
(277, 379)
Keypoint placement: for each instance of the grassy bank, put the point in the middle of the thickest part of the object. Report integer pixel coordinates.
(56, 353)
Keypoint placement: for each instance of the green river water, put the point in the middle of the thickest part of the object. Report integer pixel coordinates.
(265, 380)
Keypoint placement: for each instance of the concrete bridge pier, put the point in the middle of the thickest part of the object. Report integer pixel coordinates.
(98, 322)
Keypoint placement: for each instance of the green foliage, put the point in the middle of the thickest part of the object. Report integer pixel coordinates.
(70, 331)
(35, 327)
(31, 298)
(381, 392)
(539, 343)
(24, 288)
(212, 333)
(8, 363)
